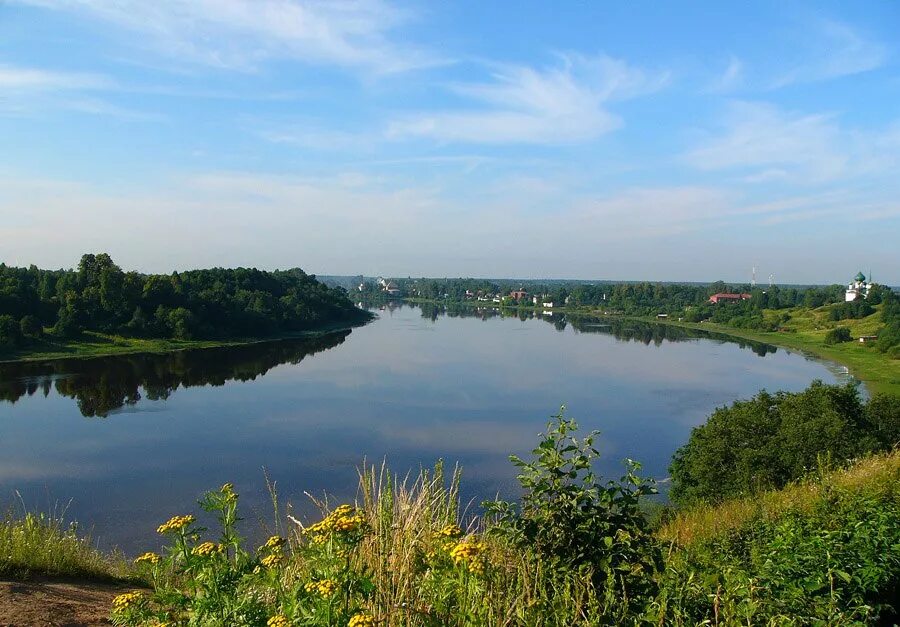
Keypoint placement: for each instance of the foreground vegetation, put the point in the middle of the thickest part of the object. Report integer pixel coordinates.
(45, 545)
(574, 549)
(98, 307)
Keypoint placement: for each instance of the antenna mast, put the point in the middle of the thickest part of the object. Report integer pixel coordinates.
(753, 278)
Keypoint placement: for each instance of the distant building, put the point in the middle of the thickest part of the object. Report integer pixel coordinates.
(858, 288)
(662, 316)
(548, 304)
(725, 297)
(518, 294)
(867, 339)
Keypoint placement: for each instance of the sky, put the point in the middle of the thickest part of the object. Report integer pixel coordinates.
(672, 141)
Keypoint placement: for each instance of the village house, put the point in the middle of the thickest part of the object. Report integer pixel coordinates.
(726, 297)
(518, 294)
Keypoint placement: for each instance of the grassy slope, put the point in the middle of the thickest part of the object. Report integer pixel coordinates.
(93, 344)
(806, 332)
(878, 475)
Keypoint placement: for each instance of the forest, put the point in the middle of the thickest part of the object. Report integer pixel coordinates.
(215, 303)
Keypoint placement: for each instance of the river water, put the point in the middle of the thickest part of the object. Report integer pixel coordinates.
(122, 443)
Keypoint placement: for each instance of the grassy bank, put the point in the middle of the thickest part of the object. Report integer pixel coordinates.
(823, 551)
(805, 332)
(42, 545)
(92, 344)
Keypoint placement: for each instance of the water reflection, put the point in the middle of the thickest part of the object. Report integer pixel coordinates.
(620, 328)
(414, 386)
(103, 385)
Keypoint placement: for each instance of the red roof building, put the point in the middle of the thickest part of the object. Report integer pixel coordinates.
(717, 298)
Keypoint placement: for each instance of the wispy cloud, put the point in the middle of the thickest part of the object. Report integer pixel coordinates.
(17, 79)
(521, 104)
(240, 34)
(766, 143)
(834, 50)
(730, 78)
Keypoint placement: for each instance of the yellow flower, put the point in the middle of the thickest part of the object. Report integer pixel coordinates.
(126, 601)
(343, 519)
(175, 523)
(324, 588)
(450, 531)
(361, 620)
(206, 549)
(274, 543)
(271, 561)
(149, 558)
(469, 554)
(279, 620)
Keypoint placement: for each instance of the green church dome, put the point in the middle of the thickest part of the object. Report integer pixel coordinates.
(860, 277)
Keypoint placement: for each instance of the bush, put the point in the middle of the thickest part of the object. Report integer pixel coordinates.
(573, 520)
(772, 439)
(838, 335)
(31, 327)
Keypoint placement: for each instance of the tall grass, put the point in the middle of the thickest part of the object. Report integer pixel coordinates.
(44, 544)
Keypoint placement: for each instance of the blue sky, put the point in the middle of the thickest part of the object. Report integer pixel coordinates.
(670, 141)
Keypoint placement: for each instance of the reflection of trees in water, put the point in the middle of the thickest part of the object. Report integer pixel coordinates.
(105, 384)
(620, 328)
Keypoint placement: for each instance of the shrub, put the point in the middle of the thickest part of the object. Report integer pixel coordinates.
(572, 519)
(772, 439)
(838, 335)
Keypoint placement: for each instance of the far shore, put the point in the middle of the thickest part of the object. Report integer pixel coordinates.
(877, 371)
(92, 344)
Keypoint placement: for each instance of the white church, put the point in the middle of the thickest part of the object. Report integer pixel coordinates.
(859, 288)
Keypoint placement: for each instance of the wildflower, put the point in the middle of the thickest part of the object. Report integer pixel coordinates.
(206, 549)
(344, 519)
(175, 523)
(279, 620)
(450, 531)
(469, 554)
(271, 561)
(126, 601)
(324, 588)
(148, 558)
(361, 620)
(273, 544)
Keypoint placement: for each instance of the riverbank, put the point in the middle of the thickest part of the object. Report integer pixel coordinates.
(93, 344)
(877, 371)
(804, 332)
(405, 554)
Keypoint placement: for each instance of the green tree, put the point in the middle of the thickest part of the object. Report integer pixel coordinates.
(772, 439)
(31, 327)
(10, 335)
(838, 335)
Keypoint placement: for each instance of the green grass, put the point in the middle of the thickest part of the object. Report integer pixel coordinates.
(94, 344)
(44, 545)
(805, 332)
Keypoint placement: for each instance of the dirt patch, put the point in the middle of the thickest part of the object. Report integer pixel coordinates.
(56, 603)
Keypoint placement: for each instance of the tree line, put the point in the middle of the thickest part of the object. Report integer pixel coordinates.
(197, 304)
